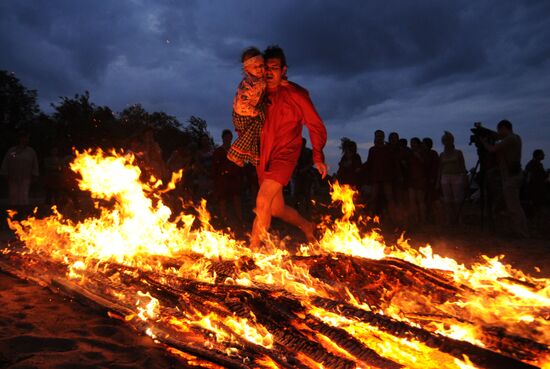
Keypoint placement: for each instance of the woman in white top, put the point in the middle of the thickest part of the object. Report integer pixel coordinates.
(452, 177)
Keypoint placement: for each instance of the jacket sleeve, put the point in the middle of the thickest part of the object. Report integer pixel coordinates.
(314, 124)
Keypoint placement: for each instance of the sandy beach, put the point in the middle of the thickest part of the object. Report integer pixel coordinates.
(40, 329)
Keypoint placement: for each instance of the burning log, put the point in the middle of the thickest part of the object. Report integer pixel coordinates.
(377, 281)
(494, 338)
(482, 357)
(351, 344)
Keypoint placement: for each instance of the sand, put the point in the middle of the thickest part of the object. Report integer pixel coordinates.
(39, 329)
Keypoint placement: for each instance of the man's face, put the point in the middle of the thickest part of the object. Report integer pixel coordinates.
(274, 72)
(503, 132)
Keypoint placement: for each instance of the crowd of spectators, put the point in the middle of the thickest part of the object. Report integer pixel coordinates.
(410, 183)
(405, 182)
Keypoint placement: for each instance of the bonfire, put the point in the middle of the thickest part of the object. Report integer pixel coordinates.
(350, 301)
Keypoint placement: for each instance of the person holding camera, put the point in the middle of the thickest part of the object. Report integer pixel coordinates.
(508, 155)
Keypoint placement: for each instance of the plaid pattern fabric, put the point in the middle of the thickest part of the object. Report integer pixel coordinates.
(246, 147)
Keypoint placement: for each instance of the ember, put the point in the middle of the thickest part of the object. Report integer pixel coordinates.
(349, 302)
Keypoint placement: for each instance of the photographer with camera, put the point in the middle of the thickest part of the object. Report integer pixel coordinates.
(508, 154)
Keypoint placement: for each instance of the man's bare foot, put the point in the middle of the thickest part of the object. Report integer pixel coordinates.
(254, 244)
(309, 232)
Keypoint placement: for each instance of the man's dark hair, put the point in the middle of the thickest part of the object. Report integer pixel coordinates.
(416, 140)
(250, 52)
(403, 142)
(505, 124)
(537, 153)
(275, 52)
(348, 144)
(428, 142)
(227, 132)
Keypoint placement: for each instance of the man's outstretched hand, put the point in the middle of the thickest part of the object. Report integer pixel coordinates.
(322, 168)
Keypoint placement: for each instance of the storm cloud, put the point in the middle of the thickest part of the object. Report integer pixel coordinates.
(416, 67)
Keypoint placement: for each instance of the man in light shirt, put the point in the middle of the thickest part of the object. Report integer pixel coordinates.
(20, 165)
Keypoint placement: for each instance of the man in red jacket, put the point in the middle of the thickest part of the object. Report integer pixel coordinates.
(288, 108)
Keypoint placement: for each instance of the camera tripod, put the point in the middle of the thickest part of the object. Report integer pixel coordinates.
(478, 172)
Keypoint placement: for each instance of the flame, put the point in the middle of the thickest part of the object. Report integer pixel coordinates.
(406, 352)
(147, 305)
(134, 228)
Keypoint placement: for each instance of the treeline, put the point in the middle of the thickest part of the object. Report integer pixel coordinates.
(77, 122)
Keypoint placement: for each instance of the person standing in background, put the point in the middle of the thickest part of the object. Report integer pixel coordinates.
(227, 178)
(417, 182)
(536, 178)
(303, 180)
(452, 177)
(379, 171)
(20, 165)
(349, 167)
(53, 168)
(432, 168)
(508, 154)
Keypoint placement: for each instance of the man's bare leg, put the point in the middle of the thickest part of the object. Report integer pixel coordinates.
(270, 202)
(282, 211)
(268, 189)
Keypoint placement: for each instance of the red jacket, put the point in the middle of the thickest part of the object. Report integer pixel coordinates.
(288, 108)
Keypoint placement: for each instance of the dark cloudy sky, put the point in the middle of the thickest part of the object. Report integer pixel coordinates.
(416, 67)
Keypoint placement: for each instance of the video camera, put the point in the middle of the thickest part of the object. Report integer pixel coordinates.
(480, 133)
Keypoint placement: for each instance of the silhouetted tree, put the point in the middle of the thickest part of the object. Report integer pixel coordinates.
(197, 128)
(83, 123)
(18, 105)
(18, 110)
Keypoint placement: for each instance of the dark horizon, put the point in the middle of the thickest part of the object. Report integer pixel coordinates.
(417, 69)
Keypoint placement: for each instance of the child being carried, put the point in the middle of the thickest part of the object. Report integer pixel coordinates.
(249, 110)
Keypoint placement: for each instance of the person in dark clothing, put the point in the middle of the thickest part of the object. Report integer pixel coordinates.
(508, 154)
(403, 160)
(379, 172)
(349, 166)
(536, 179)
(227, 177)
(148, 155)
(303, 179)
(432, 170)
(417, 181)
(53, 167)
(400, 192)
(182, 159)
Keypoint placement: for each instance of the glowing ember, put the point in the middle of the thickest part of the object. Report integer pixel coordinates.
(175, 272)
